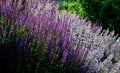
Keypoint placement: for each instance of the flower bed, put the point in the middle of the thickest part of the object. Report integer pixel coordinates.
(40, 39)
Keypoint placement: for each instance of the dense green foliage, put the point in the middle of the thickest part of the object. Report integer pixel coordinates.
(106, 12)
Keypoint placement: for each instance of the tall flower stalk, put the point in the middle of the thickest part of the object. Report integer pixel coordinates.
(37, 42)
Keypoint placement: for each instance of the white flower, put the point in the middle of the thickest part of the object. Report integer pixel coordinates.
(40, 6)
(48, 6)
(116, 68)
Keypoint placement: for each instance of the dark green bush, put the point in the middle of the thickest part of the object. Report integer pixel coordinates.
(106, 12)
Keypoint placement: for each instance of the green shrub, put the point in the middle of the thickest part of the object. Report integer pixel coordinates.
(106, 12)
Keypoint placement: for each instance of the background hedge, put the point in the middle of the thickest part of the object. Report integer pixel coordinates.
(105, 12)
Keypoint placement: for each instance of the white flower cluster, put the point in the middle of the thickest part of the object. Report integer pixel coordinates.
(103, 49)
(42, 7)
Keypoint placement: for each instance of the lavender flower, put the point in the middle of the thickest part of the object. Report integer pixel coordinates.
(103, 49)
(92, 40)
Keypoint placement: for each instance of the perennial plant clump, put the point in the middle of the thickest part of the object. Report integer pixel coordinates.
(32, 42)
(41, 39)
(103, 50)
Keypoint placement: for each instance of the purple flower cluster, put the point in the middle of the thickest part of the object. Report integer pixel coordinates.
(37, 39)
